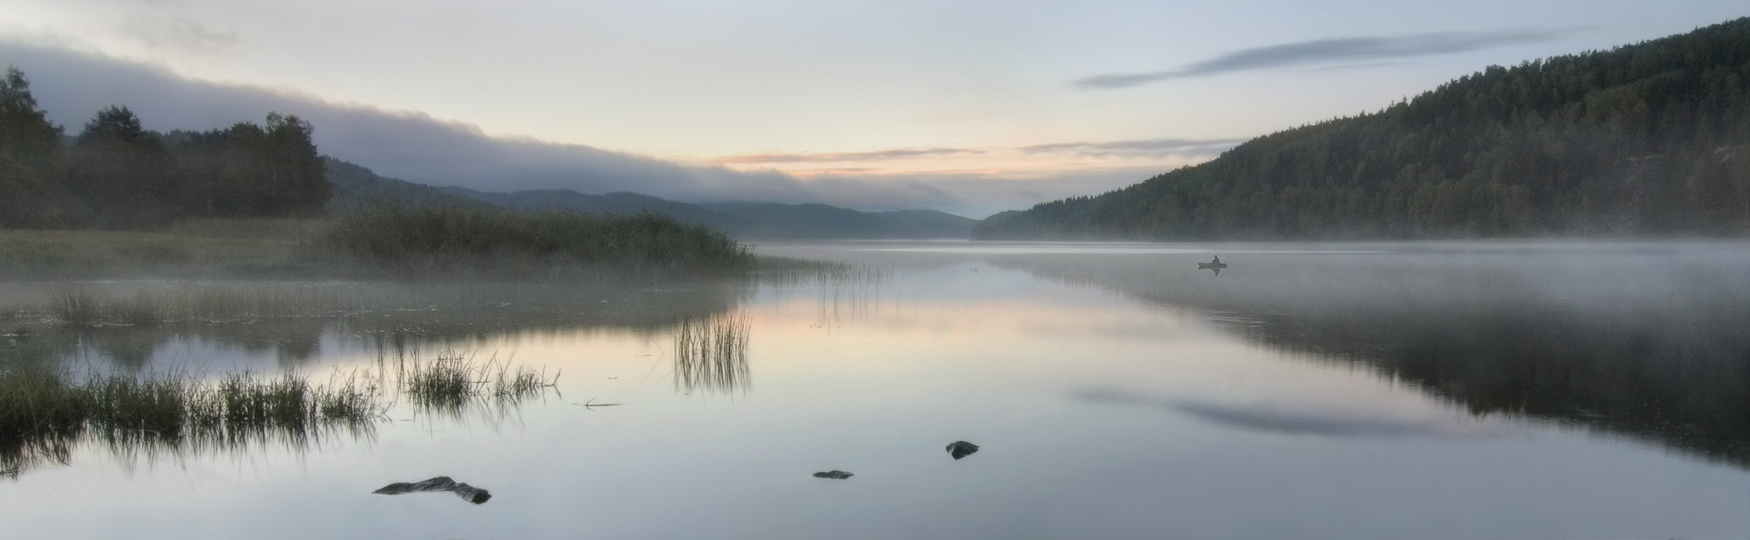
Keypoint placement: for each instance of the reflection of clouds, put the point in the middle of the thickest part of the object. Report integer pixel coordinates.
(1289, 422)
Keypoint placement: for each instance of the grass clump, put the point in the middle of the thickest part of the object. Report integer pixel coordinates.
(711, 354)
(45, 412)
(498, 241)
(452, 382)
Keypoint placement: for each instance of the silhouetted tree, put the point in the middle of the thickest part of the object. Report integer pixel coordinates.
(123, 172)
(31, 192)
(253, 170)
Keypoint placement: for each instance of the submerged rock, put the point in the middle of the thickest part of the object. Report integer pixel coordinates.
(835, 475)
(442, 483)
(960, 449)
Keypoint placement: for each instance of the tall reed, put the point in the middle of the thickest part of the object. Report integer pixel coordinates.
(44, 412)
(711, 354)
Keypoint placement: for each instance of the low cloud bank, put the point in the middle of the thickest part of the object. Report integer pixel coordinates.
(418, 147)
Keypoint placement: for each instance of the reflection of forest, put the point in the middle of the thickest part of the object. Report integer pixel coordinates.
(385, 315)
(1628, 344)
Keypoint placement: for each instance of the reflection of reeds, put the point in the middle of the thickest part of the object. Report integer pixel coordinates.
(711, 354)
(45, 412)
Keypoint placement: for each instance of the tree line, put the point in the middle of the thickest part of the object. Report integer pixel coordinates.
(1644, 139)
(115, 174)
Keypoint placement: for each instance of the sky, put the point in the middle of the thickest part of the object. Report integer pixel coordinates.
(965, 106)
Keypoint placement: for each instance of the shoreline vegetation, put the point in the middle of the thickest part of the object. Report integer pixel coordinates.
(418, 244)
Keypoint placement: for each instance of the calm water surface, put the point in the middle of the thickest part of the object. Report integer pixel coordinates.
(1494, 390)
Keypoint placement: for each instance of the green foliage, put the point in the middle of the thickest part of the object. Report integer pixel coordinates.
(122, 172)
(30, 159)
(496, 241)
(251, 170)
(119, 175)
(1646, 139)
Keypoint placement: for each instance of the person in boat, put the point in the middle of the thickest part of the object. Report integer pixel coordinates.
(1215, 265)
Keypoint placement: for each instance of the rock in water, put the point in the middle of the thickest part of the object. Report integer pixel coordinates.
(835, 475)
(439, 483)
(960, 449)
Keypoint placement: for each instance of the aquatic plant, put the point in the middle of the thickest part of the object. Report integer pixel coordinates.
(452, 381)
(45, 411)
(711, 354)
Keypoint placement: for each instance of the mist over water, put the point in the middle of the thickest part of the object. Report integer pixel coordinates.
(1427, 390)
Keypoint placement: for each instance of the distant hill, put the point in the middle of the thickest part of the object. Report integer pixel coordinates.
(352, 186)
(1645, 139)
(804, 221)
(355, 186)
(623, 202)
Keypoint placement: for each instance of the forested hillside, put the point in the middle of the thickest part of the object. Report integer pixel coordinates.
(115, 174)
(1649, 139)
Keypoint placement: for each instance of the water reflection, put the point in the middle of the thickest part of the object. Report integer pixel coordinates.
(1645, 342)
(1286, 421)
(284, 320)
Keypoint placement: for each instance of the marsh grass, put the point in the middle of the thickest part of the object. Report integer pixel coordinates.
(453, 382)
(711, 354)
(475, 242)
(387, 242)
(44, 413)
(197, 251)
(786, 271)
(79, 306)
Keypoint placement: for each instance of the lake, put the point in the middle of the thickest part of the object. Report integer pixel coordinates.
(1352, 391)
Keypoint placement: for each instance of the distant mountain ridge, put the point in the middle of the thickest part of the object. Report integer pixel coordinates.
(355, 186)
(1651, 139)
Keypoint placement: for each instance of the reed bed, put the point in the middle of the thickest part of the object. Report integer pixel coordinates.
(44, 412)
(47, 412)
(458, 241)
(786, 271)
(711, 354)
(453, 382)
(74, 305)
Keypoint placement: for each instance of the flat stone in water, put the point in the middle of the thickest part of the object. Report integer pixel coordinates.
(960, 449)
(439, 483)
(834, 474)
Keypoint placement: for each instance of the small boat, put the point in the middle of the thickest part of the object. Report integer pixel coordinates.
(1215, 265)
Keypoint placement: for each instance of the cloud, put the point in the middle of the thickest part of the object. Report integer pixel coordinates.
(819, 157)
(415, 146)
(1144, 147)
(1326, 51)
(180, 36)
(1293, 422)
(1134, 148)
